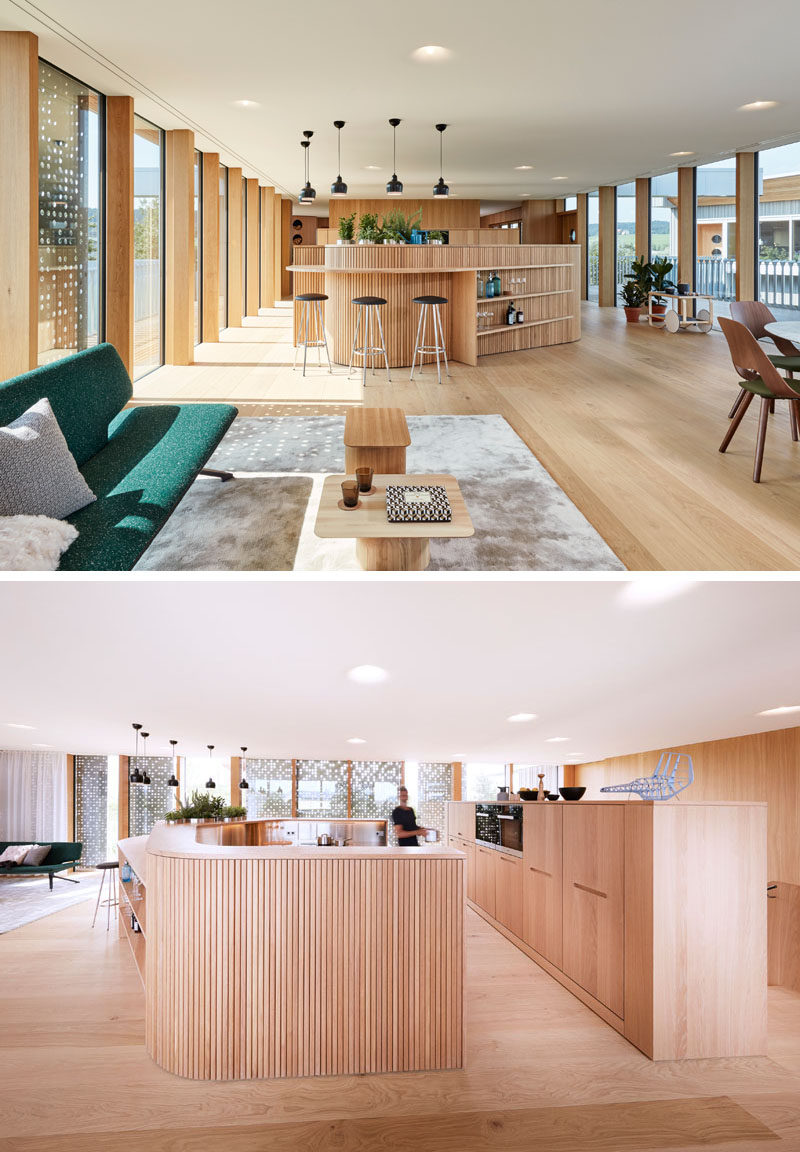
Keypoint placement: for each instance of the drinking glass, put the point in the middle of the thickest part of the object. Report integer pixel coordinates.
(350, 493)
(364, 477)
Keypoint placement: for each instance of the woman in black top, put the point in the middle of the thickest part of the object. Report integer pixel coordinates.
(405, 823)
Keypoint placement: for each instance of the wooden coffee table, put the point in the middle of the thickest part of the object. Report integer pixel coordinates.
(382, 546)
(376, 438)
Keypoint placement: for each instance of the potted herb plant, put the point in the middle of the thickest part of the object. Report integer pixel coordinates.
(436, 237)
(398, 227)
(347, 228)
(632, 298)
(368, 230)
(661, 282)
(234, 812)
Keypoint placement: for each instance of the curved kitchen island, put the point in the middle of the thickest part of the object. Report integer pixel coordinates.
(543, 280)
(277, 960)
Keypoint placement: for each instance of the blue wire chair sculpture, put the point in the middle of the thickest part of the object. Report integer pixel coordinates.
(674, 772)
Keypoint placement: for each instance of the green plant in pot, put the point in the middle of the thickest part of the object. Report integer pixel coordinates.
(632, 298)
(347, 225)
(396, 226)
(436, 237)
(234, 812)
(661, 282)
(368, 230)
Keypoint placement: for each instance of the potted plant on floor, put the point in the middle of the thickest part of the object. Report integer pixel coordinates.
(640, 275)
(347, 228)
(632, 298)
(661, 282)
(368, 230)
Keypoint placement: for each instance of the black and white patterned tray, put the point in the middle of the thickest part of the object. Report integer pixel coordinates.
(415, 503)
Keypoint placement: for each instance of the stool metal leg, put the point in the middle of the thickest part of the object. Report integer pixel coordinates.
(99, 894)
(365, 352)
(301, 333)
(416, 344)
(444, 348)
(355, 341)
(324, 334)
(383, 346)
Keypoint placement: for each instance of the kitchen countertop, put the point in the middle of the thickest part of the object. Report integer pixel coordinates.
(134, 849)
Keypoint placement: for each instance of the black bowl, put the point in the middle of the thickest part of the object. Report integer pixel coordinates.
(572, 793)
(553, 796)
(527, 794)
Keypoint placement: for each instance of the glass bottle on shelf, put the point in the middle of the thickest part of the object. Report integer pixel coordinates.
(511, 313)
(520, 316)
(480, 286)
(490, 287)
(498, 287)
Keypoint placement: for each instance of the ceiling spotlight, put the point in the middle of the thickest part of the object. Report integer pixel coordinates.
(654, 589)
(521, 717)
(307, 194)
(430, 52)
(758, 105)
(681, 153)
(368, 674)
(339, 188)
(557, 739)
(247, 103)
(372, 167)
(394, 186)
(523, 167)
(44, 745)
(356, 740)
(783, 710)
(29, 727)
(561, 177)
(441, 189)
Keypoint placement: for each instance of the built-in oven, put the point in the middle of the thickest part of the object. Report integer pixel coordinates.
(509, 817)
(487, 826)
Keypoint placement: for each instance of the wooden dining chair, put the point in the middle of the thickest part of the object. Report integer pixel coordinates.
(759, 377)
(755, 316)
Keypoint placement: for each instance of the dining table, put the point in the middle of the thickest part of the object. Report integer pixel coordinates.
(785, 330)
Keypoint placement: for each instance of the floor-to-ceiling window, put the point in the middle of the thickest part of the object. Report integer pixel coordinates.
(664, 219)
(71, 169)
(223, 247)
(96, 800)
(626, 230)
(778, 265)
(593, 246)
(716, 232)
(198, 246)
(480, 781)
(322, 788)
(269, 791)
(244, 246)
(196, 771)
(148, 239)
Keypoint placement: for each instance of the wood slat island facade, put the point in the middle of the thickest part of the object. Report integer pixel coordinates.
(302, 961)
(549, 296)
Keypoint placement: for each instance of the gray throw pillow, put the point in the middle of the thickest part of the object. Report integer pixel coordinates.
(38, 854)
(38, 473)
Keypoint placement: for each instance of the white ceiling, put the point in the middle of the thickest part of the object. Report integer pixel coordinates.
(600, 92)
(264, 663)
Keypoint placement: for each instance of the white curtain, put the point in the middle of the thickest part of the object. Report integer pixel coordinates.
(33, 796)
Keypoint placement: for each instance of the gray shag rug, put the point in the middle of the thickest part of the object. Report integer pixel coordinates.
(264, 519)
(24, 899)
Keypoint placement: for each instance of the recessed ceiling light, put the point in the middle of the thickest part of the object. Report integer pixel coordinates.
(557, 739)
(355, 740)
(654, 589)
(521, 717)
(459, 755)
(561, 177)
(430, 52)
(523, 167)
(44, 745)
(367, 674)
(247, 104)
(758, 105)
(372, 167)
(681, 153)
(524, 194)
(8, 724)
(782, 711)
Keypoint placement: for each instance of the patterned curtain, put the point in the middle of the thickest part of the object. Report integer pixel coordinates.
(33, 796)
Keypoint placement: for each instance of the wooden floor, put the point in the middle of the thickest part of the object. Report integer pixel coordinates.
(543, 1073)
(628, 421)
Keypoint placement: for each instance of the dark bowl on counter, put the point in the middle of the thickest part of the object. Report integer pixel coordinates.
(572, 793)
(553, 796)
(527, 794)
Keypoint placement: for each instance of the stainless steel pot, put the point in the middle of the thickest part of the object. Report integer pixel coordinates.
(432, 836)
(324, 841)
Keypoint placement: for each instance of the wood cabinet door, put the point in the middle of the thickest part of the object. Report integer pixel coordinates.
(542, 880)
(466, 823)
(508, 892)
(594, 901)
(485, 861)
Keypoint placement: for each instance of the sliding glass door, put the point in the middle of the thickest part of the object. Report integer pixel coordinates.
(148, 240)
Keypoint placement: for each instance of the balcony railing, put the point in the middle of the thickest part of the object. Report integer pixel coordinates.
(778, 280)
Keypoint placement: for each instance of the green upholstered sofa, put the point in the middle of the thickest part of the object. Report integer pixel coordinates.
(62, 855)
(138, 461)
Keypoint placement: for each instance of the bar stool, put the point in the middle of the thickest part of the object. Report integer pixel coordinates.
(370, 307)
(420, 347)
(311, 321)
(111, 901)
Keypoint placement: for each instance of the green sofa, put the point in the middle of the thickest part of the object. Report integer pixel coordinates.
(62, 855)
(139, 461)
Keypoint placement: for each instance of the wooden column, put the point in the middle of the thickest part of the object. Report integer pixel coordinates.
(253, 247)
(457, 785)
(235, 254)
(277, 251)
(19, 202)
(267, 255)
(179, 264)
(236, 775)
(71, 799)
(540, 224)
(686, 227)
(119, 226)
(607, 245)
(746, 225)
(582, 238)
(286, 247)
(643, 217)
(123, 809)
(294, 788)
(211, 247)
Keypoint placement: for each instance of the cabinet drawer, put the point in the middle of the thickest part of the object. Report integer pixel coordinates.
(485, 863)
(508, 892)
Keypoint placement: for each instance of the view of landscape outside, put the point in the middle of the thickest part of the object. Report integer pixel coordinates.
(148, 351)
(779, 229)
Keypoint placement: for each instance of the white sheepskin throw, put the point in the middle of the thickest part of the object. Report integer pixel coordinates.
(33, 543)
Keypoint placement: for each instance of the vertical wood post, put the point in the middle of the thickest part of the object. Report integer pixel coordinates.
(253, 247)
(19, 202)
(71, 799)
(267, 240)
(276, 245)
(210, 242)
(456, 781)
(642, 237)
(236, 775)
(746, 225)
(607, 245)
(179, 264)
(235, 253)
(294, 788)
(119, 227)
(123, 808)
(286, 247)
(687, 240)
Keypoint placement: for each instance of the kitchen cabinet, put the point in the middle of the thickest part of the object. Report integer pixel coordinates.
(593, 888)
(469, 851)
(508, 892)
(542, 882)
(485, 870)
(461, 820)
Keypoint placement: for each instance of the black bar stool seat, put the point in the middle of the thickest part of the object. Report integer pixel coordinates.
(371, 345)
(312, 296)
(375, 301)
(106, 867)
(430, 305)
(431, 300)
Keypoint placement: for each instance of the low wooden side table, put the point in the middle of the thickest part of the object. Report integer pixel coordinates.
(383, 546)
(376, 438)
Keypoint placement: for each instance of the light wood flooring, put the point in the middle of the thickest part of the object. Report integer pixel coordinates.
(628, 421)
(543, 1073)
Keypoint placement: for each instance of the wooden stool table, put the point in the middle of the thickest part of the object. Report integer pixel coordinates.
(376, 438)
(383, 546)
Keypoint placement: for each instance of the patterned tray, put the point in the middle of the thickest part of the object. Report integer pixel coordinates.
(416, 503)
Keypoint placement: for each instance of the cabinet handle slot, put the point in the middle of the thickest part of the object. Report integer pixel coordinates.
(592, 891)
(541, 871)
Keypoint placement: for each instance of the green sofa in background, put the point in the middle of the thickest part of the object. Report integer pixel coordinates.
(139, 461)
(62, 855)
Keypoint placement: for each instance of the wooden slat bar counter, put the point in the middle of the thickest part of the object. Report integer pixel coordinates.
(549, 295)
(302, 961)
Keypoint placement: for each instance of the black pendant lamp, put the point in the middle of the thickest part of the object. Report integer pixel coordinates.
(395, 186)
(173, 781)
(135, 776)
(210, 781)
(243, 782)
(307, 194)
(339, 188)
(441, 189)
(145, 778)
